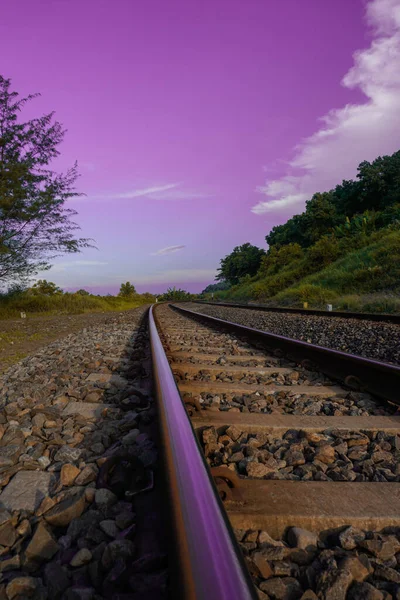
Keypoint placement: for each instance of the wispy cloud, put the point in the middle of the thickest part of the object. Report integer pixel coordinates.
(149, 191)
(73, 264)
(356, 132)
(168, 250)
(177, 195)
(167, 191)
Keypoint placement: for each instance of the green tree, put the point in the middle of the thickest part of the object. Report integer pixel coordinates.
(321, 216)
(324, 252)
(173, 294)
(127, 290)
(279, 257)
(347, 197)
(45, 288)
(380, 182)
(35, 226)
(82, 293)
(244, 260)
(216, 287)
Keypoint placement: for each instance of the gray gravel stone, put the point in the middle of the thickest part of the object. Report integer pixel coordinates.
(26, 490)
(105, 498)
(371, 339)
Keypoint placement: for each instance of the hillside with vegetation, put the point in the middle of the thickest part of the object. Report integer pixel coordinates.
(343, 249)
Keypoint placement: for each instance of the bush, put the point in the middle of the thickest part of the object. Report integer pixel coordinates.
(279, 257)
(324, 252)
(13, 305)
(375, 303)
(313, 294)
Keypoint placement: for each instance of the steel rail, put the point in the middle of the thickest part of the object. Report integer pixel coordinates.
(378, 317)
(380, 379)
(211, 566)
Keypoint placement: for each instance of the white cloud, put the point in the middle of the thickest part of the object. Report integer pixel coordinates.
(286, 201)
(145, 191)
(177, 195)
(63, 266)
(168, 250)
(167, 191)
(355, 132)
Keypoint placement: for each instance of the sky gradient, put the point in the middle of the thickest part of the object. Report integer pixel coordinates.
(199, 125)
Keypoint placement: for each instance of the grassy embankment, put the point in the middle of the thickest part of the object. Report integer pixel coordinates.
(50, 317)
(11, 306)
(363, 278)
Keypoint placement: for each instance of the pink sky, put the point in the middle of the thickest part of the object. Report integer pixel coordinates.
(198, 126)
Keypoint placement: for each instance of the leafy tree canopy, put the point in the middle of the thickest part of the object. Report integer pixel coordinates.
(82, 293)
(377, 189)
(244, 260)
(45, 288)
(35, 226)
(127, 290)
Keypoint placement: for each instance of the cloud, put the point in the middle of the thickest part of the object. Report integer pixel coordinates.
(167, 191)
(284, 202)
(177, 195)
(145, 191)
(355, 132)
(63, 266)
(168, 250)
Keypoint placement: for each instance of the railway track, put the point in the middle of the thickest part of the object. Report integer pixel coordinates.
(303, 447)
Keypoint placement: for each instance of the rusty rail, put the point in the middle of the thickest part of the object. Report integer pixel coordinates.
(378, 317)
(209, 561)
(380, 379)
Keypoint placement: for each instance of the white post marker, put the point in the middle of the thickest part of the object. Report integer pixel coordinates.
(329, 307)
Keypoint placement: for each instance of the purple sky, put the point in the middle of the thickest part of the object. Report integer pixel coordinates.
(199, 125)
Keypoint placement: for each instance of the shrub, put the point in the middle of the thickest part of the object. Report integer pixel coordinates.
(324, 252)
(313, 294)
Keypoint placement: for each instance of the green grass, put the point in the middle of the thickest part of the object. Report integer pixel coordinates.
(66, 304)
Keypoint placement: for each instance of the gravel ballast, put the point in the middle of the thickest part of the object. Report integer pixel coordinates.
(376, 340)
(77, 466)
(331, 455)
(347, 563)
(352, 404)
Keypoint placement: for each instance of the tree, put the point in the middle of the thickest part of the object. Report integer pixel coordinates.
(127, 290)
(216, 287)
(380, 182)
(82, 293)
(279, 257)
(45, 288)
(244, 260)
(35, 226)
(321, 216)
(291, 232)
(174, 294)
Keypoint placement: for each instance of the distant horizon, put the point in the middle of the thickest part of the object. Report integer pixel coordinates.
(198, 127)
(156, 288)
